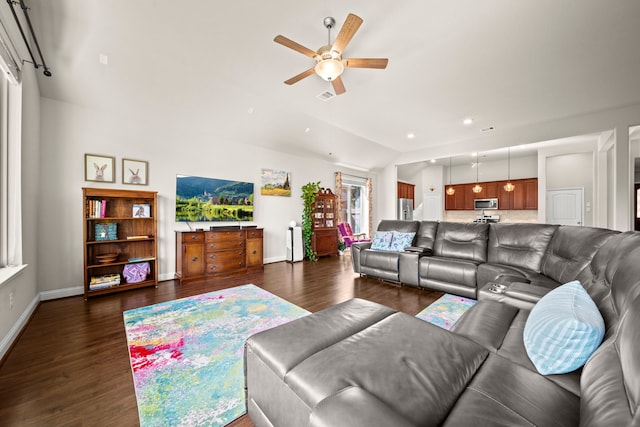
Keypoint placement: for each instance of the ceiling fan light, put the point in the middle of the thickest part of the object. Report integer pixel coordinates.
(329, 69)
(509, 187)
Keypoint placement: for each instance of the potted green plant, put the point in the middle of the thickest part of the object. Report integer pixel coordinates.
(342, 246)
(308, 197)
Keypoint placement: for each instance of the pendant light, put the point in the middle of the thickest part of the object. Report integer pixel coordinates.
(450, 191)
(509, 187)
(477, 188)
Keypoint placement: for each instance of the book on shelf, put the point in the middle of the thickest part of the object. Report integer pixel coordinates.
(103, 282)
(137, 237)
(142, 258)
(96, 208)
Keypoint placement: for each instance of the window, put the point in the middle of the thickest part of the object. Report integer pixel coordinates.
(10, 167)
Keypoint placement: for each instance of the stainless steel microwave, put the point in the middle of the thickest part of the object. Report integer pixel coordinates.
(485, 204)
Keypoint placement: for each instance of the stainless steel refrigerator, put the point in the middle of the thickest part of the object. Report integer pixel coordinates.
(405, 209)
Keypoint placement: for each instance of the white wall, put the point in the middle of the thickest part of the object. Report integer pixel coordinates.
(70, 131)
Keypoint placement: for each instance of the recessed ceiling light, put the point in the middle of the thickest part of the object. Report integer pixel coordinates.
(467, 121)
(433, 160)
(251, 110)
(307, 130)
(411, 135)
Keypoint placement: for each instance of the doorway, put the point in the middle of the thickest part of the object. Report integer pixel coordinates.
(565, 206)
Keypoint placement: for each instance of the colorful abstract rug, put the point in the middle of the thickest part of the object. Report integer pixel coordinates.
(187, 355)
(446, 311)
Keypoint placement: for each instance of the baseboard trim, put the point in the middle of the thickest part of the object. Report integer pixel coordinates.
(16, 329)
(61, 293)
(275, 259)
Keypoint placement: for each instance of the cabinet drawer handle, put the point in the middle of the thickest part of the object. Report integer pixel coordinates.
(194, 259)
(213, 235)
(254, 252)
(213, 246)
(195, 237)
(212, 256)
(213, 267)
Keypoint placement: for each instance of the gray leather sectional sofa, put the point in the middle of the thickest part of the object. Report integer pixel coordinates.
(359, 363)
(462, 258)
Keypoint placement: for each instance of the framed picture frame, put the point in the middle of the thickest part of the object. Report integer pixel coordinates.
(141, 210)
(135, 172)
(99, 168)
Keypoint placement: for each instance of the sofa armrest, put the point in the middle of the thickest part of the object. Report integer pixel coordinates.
(355, 407)
(526, 291)
(419, 250)
(356, 249)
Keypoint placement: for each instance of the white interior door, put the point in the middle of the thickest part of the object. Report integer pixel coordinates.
(565, 206)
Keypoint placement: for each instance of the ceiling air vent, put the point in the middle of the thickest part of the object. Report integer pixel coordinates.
(327, 95)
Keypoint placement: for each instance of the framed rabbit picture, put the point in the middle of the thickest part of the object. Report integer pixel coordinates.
(135, 172)
(99, 168)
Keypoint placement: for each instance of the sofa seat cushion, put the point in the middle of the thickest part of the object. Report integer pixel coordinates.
(449, 270)
(506, 394)
(380, 264)
(417, 369)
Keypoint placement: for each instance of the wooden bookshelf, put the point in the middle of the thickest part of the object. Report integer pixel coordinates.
(120, 228)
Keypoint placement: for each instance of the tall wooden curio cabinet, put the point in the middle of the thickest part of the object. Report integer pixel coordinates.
(325, 227)
(119, 240)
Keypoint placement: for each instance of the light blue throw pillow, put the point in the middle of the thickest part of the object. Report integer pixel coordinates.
(563, 330)
(382, 240)
(401, 241)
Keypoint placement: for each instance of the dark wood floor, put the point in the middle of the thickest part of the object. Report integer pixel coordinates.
(70, 366)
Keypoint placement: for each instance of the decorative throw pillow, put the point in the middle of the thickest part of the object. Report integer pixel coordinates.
(382, 240)
(563, 330)
(401, 241)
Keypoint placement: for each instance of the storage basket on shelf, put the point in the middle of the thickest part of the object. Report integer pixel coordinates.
(106, 231)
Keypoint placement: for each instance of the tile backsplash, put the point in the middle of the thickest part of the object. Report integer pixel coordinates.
(505, 216)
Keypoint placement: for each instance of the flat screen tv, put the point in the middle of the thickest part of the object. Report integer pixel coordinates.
(209, 199)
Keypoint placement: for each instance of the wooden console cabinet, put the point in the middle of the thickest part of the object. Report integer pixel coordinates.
(202, 254)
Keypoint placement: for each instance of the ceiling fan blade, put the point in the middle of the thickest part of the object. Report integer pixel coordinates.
(300, 76)
(295, 46)
(338, 86)
(349, 28)
(365, 62)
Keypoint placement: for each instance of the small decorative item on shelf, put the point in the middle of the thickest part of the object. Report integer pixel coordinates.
(106, 231)
(105, 258)
(142, 210)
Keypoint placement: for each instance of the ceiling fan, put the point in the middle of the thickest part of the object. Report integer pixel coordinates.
(329, 62)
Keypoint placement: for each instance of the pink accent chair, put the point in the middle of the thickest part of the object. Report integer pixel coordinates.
(347, 234)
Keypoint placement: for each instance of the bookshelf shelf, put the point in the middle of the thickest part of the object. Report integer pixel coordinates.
(115, 240)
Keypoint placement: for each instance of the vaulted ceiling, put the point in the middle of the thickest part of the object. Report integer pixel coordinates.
(213, 65)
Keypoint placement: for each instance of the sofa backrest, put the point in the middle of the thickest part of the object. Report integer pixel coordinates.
(462, 241)
(519, 245)
(402, 226)
(611, 282)
(571, 250)
(610, 381)
(426, 236)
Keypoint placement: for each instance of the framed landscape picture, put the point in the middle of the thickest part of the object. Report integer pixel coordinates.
(99, 168)
(275, 183)
(135, 172)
